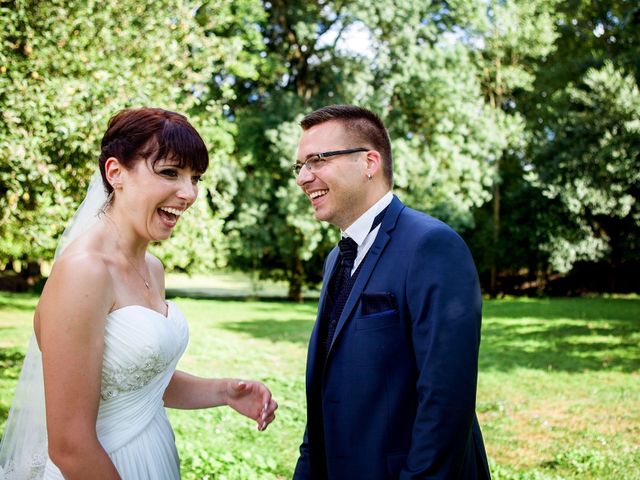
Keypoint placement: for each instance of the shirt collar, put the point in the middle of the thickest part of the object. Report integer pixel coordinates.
(359, 229)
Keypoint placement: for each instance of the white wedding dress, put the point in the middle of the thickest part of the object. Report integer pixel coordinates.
(141, 350)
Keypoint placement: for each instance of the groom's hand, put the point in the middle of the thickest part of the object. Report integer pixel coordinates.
(253, 400)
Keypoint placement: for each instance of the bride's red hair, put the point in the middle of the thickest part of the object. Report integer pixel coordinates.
(152, 134)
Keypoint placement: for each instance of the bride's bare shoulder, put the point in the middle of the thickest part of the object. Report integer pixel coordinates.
(81, 263)
(81, 273)
(86, 255)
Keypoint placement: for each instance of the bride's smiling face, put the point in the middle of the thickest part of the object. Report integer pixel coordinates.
(151, 159)
(153, 195)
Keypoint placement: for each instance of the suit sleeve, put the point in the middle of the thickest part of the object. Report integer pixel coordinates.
(303, 467)
(444, 300)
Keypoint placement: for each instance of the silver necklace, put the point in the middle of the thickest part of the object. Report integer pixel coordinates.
(144, 279)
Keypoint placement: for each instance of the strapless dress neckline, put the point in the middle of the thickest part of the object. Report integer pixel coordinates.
(143, 307)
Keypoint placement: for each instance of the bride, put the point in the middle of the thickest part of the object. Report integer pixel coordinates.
(106, 341)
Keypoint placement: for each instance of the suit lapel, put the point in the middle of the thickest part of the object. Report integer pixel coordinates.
(369, 263)
(314, 340)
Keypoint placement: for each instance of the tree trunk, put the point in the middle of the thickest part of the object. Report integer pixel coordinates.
(296, 280)
(493, 281)
(541, 279)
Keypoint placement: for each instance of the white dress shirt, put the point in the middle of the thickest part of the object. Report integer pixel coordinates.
(360, 230)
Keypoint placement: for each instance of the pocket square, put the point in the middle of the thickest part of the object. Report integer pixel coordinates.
(377, 302)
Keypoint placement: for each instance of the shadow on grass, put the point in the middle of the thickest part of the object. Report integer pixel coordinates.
(232, 296)
(308, 309)
(560, 344)
(572, 334)
(571, 308)
(295, 331)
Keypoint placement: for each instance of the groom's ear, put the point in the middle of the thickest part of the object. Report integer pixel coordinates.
(113, 171)
(374, 163)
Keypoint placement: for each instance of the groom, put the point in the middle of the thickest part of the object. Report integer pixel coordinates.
(393, 357)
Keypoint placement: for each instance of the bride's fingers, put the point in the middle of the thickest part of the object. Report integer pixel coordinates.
(267, 410)
(264, 424)
(269, 419)
(272, 407)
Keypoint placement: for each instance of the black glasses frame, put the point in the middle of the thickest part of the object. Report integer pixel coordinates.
(314, 158)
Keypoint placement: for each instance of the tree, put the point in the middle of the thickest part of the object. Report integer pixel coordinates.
(66, 68)
(589, 162)
(444, 137)
(582, 116)
(422, 85)
(509, 40)
(271, 231)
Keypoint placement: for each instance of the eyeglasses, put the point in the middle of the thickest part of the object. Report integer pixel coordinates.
(317, 161)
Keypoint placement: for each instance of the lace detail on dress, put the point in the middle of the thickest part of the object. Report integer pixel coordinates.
(132, 377)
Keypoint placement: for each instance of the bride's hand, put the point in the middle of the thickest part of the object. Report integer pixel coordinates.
(252, 399)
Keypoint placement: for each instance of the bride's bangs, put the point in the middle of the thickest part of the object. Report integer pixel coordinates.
(178, 143)
(183, 145)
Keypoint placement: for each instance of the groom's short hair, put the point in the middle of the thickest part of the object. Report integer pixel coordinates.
(360, 124)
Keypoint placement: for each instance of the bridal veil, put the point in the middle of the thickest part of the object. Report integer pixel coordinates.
(23, 448)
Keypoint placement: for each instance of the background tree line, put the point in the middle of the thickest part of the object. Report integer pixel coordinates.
(517, 122)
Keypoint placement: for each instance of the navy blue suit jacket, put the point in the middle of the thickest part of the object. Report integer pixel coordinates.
(396, 397)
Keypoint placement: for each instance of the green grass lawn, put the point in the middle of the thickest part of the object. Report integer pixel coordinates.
(558, 393)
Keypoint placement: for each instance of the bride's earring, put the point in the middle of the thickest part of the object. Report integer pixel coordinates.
(106, 204)
(109, 199)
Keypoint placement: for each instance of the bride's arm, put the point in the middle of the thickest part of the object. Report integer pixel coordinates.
(70, 328)
(250, 398)
(186, 391)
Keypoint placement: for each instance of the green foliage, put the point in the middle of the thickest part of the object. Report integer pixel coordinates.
(589, 34)
(66, 68)
(508, 39)
(272, 231)
(584, 141)
(589, 162)
(444, 136)
(524, 222)
(516, 122)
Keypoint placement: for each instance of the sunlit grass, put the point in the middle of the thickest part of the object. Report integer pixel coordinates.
(558, 387)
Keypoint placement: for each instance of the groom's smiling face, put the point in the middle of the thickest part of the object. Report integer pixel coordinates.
(336, 188)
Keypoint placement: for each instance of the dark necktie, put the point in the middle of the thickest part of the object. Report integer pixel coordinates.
(343, 281)
(348, 252)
